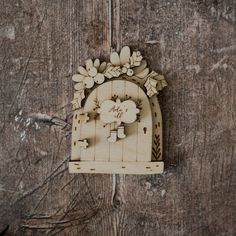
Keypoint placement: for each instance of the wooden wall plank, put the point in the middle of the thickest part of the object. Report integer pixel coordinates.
(192, 44)
(42, 44)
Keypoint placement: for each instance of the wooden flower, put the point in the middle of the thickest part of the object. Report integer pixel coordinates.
(123, 63)
(92, 73)
(122, 60)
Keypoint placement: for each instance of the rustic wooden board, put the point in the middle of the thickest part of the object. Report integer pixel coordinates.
(192, 43)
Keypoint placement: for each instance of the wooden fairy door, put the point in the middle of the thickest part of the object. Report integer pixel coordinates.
(128, 153)
(117, 122)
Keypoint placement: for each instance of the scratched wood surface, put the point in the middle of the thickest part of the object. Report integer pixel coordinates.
(192, 43)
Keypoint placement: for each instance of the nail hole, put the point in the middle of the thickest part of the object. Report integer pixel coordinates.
(145, 130)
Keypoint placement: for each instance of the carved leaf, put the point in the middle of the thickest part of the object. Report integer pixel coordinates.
(143, 74)
(140, 68)
(150, 85)
(112, 71)
(78, 97)
(161, 82)
(135, 59)
(102, 67)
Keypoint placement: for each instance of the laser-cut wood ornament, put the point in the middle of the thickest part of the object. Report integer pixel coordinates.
(117, 124)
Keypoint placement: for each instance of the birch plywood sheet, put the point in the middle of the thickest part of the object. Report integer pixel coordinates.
(117, 125)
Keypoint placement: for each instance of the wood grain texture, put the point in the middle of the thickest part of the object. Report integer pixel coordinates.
(192, 43)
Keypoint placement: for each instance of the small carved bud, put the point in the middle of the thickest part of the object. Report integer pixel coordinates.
(130, 72)
(124, 70)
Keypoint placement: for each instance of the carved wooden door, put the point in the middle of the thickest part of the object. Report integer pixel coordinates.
(131, 152)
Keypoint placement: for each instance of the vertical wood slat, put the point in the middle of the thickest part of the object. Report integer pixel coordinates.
(130, 142)
(157, 139)
(144, 133)
(75, 136)
(116, 149)
(102, 147)
(88, 130)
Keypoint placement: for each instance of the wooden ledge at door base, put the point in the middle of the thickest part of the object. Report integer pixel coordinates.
(137, 168)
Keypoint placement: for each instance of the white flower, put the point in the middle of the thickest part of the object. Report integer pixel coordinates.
(90, 74)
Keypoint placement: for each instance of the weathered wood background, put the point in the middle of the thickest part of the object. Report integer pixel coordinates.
(192, 43)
